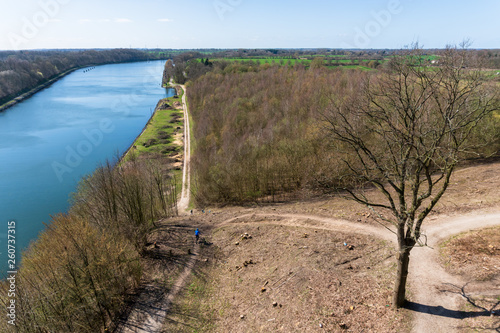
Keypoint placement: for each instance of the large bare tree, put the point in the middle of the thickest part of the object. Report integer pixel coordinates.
(403, 132)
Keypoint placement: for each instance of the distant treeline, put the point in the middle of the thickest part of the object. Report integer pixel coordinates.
(22, 71)
(372, 58)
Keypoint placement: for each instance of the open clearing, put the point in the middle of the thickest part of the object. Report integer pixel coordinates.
(319, 290)
(475, 256)
(289, 279)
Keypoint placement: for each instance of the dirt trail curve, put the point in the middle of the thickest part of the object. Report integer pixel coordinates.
(437, 308)
(436, 301)
(149, 311)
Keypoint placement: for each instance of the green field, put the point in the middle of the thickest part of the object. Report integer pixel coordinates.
(363, 68)
(330, 62)
(158, 137)
(270, 60)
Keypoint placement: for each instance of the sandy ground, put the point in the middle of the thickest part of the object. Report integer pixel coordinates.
(436, 300)
(186, 177)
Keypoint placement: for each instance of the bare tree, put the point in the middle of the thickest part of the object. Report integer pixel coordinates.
(403, 132)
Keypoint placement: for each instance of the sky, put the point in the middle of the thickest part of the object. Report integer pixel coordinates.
(188, 24)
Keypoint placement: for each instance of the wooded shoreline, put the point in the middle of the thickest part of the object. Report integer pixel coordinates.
(33, 91)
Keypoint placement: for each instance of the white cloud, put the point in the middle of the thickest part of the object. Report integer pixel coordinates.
(165, 20)
(122, 20)
(84, 21)
(104, 20)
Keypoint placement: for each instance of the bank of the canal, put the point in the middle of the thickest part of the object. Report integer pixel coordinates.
(49, 141)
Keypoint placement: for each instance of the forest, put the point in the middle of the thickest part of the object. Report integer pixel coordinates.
(262, 130)
(77, 275)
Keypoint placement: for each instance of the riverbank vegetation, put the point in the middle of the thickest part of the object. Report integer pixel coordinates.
(77, 275)
(162, 138)
(163, 130)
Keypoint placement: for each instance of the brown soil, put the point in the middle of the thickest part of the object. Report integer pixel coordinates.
(318, 284)
(217, 298)
(475, 256)
(163, 261)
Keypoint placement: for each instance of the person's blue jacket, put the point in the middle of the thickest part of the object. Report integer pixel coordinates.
(197, 232)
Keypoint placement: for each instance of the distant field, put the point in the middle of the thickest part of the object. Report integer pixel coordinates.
(270, 60)
(363, 68)
(332, 63)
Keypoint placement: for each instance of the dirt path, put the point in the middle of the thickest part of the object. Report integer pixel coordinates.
(434, 292)
(319, 222)
(436, 301)
(186, 179)
(149, 311)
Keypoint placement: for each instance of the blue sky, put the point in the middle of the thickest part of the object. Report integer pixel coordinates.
(29, 24)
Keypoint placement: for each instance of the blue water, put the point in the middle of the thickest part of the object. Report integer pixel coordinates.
(49, 141)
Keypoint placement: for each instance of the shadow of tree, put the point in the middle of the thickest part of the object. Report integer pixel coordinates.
(149, 301)
(444, 312)
(480, 311)
(171, 246)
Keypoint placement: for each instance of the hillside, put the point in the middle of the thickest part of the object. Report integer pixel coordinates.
(296, 252)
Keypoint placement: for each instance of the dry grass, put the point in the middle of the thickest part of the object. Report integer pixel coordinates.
(475, 256)
(305, 275)
(314, 279)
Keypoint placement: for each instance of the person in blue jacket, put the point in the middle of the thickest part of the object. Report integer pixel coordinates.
(197, 234)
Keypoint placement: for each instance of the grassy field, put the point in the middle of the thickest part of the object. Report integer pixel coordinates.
(162, 137)
(363, 68)
(160, 133)
(331, 62)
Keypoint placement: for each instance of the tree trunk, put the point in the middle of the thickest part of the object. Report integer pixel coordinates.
(402, 274)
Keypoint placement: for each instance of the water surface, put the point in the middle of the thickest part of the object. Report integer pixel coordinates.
(49, 141)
